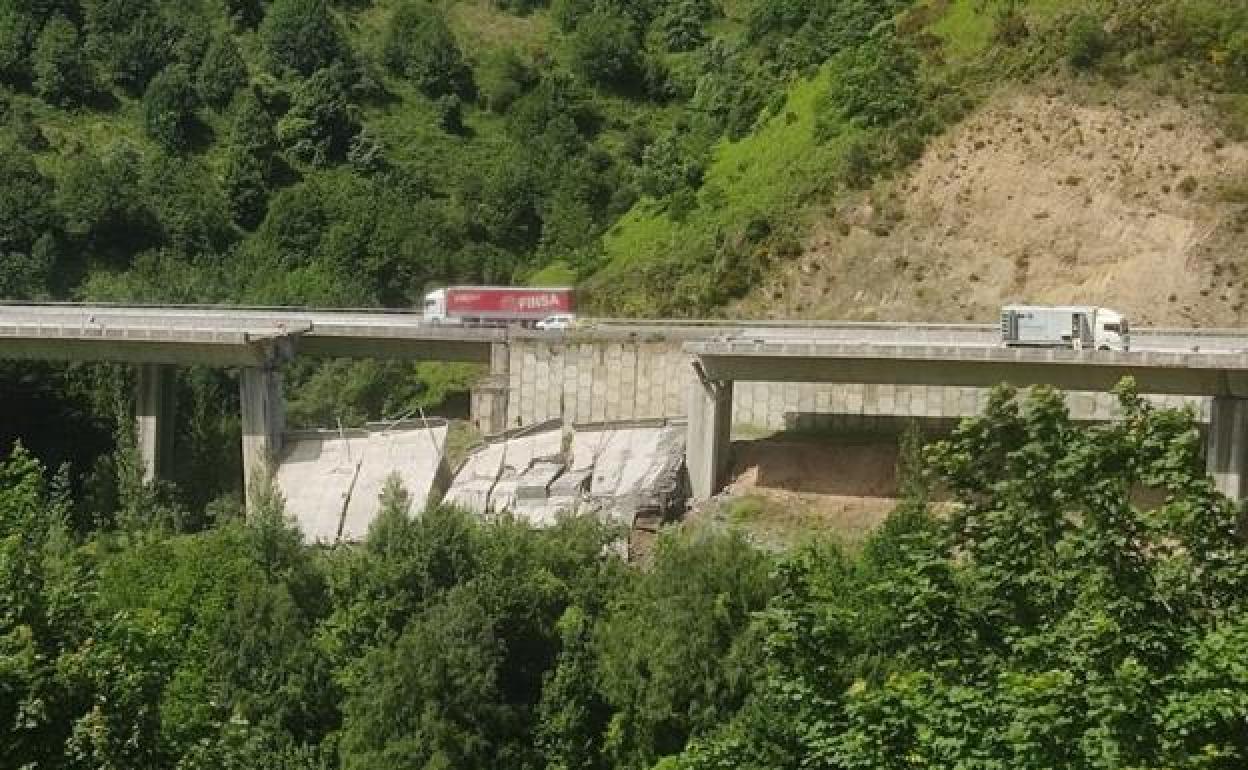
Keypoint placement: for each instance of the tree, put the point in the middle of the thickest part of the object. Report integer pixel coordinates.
(573, 713)
(420, 47)
(133, 40)
(29, 226)
(606, 50)
(1046, 622)
(190, 208)
(17, 31)
(62, 75)
(432, 699)
(169, 109)
(246, 13)
(671, 678)
(249, 161)
(301, 36)
(321, 122)
(104, 205)
(683, 23)
(221, 72)
(41, 612)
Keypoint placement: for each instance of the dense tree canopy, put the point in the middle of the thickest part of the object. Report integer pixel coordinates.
(1043, 619)
(1049, 621)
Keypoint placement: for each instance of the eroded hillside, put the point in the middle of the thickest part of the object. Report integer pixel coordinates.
(1062, 192)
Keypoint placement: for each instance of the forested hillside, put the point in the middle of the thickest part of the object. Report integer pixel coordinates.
(1045, 623)
(668, 154)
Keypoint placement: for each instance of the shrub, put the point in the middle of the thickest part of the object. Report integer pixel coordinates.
(522, 7)
(450, 114)
(1009, 24)
(503, 78)
(875, 84)
(1237, 55)
(1086, 41)
(420, 47)
(667, 167)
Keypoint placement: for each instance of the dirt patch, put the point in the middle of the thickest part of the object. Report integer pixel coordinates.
(786, 489)
(854, 469)
(1053, 194)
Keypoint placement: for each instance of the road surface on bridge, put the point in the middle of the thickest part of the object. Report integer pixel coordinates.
(169, 323)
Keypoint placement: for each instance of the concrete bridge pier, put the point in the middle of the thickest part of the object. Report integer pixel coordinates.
(264, 419)
(710, 433)
(155, 407)
(490, 396)
(1227, 452)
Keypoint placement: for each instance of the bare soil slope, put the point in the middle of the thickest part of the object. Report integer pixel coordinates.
(1049, 194)
(785, 489)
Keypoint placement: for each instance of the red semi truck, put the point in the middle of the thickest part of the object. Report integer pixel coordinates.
(497, 305)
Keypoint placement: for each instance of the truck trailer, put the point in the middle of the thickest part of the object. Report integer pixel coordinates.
(496, 305)
(1070, 327)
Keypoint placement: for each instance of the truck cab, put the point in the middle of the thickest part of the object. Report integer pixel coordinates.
(435, 307)
(1112, 331)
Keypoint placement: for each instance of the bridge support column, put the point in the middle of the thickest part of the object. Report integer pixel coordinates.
(490, 396)
(264, 419)
(154, 409)
(1227, 451)
(710, 434)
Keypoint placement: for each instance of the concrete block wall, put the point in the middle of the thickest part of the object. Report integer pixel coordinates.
(596, 381)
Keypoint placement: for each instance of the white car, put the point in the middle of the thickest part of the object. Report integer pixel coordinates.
(557, 323)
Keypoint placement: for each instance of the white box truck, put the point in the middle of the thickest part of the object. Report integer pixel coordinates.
(1075, 327)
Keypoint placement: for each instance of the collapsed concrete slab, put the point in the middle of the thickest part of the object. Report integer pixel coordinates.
(617, 471)
(637, 470)
(332, 480)
(487, 480)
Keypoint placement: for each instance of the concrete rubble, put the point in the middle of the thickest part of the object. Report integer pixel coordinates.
(332, 480)
(621, 472)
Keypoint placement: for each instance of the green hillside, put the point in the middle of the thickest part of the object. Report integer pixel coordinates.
(355, 153)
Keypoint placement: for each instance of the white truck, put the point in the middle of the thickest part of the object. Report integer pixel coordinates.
(1072, 327)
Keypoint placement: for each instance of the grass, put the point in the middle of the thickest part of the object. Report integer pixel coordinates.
(966, 28)
(784, 524)
(1233, 112)
(461, 438)
(479, 24)
(774, 169)
(555, 274)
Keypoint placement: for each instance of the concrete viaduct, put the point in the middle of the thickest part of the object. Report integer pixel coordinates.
(634, 369)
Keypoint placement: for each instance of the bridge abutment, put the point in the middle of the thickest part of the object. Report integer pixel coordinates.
(1227, 451)
(155, 409)
(710, 434)
(264, 419)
